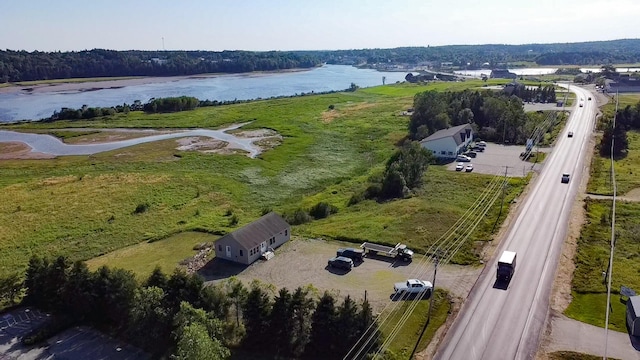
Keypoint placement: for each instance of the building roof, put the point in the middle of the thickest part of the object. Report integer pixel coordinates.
(507, 257)
(251, 235)
(450, 132)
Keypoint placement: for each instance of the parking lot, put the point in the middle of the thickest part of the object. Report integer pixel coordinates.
(303, 262)
(495, 159)
(75, 343)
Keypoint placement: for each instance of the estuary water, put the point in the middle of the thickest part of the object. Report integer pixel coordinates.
(34, 105)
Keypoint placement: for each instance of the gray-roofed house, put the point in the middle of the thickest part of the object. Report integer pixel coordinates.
(448, 143)
(248, 243)
(633, 315)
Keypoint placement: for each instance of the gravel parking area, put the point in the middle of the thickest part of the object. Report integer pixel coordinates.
(301, 262)
(495, 158)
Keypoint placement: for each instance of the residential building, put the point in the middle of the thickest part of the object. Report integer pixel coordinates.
(248, 243)
(448, 143)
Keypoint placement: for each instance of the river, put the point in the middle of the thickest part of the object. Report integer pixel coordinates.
(33, 105)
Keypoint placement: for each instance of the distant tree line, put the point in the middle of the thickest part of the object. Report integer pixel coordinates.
(23, 66)
(475, 56)
(171, 104)
(178, 315)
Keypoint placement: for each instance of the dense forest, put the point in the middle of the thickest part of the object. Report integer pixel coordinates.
(24, 66)
(176, 316)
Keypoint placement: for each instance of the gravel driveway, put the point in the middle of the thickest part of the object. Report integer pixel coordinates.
(301, 262)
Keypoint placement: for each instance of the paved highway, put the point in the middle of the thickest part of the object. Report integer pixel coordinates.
(496, 323)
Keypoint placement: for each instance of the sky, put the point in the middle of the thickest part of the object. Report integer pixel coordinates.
(262, 25)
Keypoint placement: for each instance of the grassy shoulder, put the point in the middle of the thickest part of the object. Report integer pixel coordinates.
(589, 291)
(626, 169)
(571, 355)
(409, 334)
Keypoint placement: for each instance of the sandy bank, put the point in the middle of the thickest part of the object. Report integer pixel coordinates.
(120, 83)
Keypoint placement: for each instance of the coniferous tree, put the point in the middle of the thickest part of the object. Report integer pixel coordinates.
(256, 310)
(323, 337)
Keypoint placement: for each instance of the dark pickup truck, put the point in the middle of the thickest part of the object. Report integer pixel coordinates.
(353, 254)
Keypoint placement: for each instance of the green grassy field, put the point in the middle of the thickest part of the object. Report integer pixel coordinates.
(626, 180)
(84, 206)
(589, 291)
(142, 258)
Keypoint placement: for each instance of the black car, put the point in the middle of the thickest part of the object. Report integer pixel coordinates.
(341, 262)
(353, 254)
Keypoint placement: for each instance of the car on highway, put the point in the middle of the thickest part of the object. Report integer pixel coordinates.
(351, 253)
(460, 166)
(463, 158)
(581, 104)
(468, 168)
(341, 262)
(570, 134)
(565, 178)
(589, 98)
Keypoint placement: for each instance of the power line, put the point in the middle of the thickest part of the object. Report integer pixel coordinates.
(465, 225)
(613, 233)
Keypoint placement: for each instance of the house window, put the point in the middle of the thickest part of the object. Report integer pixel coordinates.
(450, 152)
(219, 247)
(285, 232)
(241, 252)
(443, 152)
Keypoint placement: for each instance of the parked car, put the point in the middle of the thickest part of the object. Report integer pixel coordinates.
(413, 286)
(478, 148)
(460, 166)
(470, 154)
(469, 168)
(463, 158)
(351, 253)
(570, 134)
(565, 178)
(341, 262)
(481, 144)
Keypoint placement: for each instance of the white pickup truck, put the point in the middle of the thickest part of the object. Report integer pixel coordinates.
(413, 286)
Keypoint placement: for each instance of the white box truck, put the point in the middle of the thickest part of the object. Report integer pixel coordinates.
(506, 266)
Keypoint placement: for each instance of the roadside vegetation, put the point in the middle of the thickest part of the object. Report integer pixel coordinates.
(570, 355)
(589, 286)
(627, 154)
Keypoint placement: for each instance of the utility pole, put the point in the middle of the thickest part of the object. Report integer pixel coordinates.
(433, 292)
(504, 186)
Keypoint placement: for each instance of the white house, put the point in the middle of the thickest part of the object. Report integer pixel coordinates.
(448, 143)
(248, 243)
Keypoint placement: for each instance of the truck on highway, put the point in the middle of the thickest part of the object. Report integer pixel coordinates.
(506, 266)
(413, 286)
(400, 251)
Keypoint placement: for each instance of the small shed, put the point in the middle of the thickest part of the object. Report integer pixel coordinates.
(633, 315)
(248, 243)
